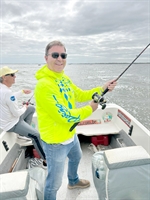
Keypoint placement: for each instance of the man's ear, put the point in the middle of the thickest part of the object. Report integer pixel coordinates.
(45, 58)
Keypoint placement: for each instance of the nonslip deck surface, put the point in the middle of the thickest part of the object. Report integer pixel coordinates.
(85, 172)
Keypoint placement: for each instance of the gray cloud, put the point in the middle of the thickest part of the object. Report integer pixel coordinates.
(93, 31)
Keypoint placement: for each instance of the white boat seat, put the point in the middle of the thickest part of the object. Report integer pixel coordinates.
(98, 129)
(23, 185)
(122, 173)
(23, 142)
(16, 185)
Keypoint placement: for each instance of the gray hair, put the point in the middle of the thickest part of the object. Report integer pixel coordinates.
(1, 79)
(53, 43)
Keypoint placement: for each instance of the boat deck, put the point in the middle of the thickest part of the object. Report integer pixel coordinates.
(85, 172)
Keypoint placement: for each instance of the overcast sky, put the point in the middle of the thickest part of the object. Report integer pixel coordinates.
(93, 31)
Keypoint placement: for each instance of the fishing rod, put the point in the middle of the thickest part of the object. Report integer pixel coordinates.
(28, 102)
(106, 90)
(100, 99)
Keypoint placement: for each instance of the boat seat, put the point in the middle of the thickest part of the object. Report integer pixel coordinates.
(98, 129)
(23, 142)
(122, 173)
(23, 185)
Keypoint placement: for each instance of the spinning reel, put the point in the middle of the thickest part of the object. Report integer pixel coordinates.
(99, 99)
(27, 103)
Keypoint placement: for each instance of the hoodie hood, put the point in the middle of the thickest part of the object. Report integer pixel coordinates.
(46, 72)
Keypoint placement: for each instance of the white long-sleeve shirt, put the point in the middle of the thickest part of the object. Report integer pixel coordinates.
(9, 110)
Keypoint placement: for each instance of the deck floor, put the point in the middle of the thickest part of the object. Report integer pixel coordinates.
(85, 172)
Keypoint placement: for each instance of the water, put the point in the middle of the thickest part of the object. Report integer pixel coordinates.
(132, 91)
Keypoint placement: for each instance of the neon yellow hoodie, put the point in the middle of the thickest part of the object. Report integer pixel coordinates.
(56, 97)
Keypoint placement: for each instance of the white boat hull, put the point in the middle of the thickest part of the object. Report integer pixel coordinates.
(110, 122)
(113, 119)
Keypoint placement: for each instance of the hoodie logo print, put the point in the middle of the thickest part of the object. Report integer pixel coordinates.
(65, 112)
(64, 89)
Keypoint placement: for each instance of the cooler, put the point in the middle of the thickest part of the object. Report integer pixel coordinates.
(100, 139)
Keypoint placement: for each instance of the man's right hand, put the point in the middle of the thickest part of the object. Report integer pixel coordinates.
(94, 105)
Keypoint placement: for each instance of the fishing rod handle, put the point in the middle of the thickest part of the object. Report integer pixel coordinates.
(73, 126)
(105, 91)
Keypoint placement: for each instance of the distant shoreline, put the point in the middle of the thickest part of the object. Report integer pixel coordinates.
(70, 63)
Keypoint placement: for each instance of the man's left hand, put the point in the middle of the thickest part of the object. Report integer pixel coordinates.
(26, 91)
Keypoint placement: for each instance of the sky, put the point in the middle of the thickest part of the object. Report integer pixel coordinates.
(93, 31)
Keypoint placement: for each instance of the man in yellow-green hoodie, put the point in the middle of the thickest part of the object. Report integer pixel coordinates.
(56, 96)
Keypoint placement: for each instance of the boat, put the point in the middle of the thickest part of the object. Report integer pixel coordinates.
(116, 160)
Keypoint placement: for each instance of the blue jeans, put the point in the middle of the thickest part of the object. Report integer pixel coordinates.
(56, 155)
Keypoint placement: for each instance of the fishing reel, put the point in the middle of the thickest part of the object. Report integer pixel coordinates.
(99, 99)
(27, 103)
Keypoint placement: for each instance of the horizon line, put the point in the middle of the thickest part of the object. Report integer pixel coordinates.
(83, 63)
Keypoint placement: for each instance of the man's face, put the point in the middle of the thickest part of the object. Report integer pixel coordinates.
(9, 79)
(56, 64)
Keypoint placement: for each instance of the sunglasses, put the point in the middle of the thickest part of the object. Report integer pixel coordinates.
(10, 74)
(56, 55)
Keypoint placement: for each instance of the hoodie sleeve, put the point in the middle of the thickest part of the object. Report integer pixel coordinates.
(50, 101)
(85, 95)
(59, 103)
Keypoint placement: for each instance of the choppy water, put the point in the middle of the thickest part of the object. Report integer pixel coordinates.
(132, 91)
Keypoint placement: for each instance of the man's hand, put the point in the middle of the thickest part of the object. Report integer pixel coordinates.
(110, 85)
(94, 105)
(26, 91)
